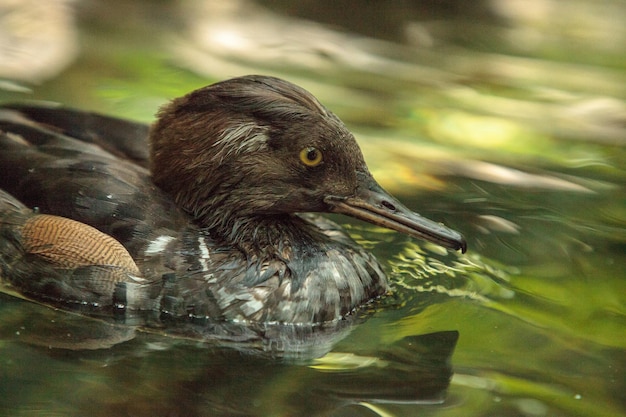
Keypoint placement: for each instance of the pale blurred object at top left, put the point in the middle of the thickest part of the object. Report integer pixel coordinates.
(37, 39)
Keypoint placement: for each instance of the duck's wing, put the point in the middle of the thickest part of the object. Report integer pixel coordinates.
(123, 138)
(64, 262)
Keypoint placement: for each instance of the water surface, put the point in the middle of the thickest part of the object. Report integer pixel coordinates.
(505, 120)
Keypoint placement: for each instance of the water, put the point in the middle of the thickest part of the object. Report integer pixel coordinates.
(505, 120)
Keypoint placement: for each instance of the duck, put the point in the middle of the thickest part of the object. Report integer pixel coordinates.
(214, 211)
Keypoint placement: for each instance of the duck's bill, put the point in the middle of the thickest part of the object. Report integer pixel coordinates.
(376, 206)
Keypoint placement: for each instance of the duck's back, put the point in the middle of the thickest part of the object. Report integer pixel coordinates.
(85, 167)
(90, 169)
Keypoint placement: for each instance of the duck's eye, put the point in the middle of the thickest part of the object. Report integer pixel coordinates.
(311, 156)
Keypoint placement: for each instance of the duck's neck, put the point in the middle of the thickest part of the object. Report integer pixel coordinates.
(278, 236)
(268, 233)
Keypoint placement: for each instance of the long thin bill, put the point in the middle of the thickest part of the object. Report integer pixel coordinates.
(374, 205)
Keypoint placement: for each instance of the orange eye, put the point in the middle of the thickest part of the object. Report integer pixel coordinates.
(311, 156)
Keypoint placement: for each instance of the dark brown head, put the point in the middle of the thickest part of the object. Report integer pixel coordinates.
(259, 146)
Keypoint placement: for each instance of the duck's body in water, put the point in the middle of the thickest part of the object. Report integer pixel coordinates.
(198, 216)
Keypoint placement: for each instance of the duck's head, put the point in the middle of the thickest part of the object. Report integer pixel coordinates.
(257, 146)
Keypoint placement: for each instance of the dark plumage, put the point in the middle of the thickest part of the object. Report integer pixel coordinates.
(213, 227)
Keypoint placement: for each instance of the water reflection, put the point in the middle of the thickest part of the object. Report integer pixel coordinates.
(208, 378)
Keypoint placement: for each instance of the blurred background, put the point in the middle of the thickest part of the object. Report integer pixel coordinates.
(504, 119)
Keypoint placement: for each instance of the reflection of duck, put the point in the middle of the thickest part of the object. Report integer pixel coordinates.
(212, 231)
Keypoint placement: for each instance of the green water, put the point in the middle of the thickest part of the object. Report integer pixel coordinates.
(505, 120)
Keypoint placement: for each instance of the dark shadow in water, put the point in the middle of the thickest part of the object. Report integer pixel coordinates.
(219, 376)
